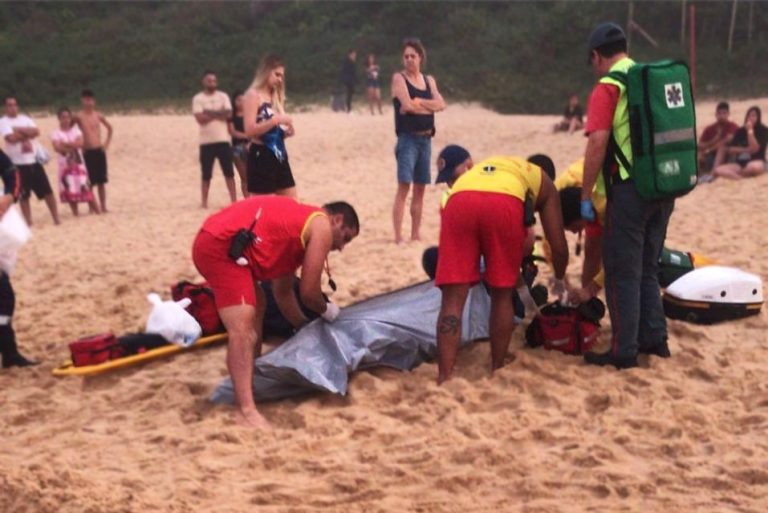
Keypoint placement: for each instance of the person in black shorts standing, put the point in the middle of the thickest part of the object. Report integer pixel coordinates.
(239, 140)
(94, 152)
(20, 132)
(267, 126)
(9, 352)
(212, 109)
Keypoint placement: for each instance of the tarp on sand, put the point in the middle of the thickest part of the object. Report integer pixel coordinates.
(396, 329)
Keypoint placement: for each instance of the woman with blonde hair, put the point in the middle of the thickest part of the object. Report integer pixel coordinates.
(267, 126)
(416, 99)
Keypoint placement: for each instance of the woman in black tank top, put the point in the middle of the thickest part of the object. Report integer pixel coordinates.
(416, 99)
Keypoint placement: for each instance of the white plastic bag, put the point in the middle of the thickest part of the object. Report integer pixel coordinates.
(14, 232)
(7, 261)
(41, 154)
(170, 320)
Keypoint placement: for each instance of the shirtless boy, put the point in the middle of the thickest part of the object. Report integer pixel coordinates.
(94, 152)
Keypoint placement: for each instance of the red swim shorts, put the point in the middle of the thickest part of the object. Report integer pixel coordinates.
(232, 284)
(481, 223)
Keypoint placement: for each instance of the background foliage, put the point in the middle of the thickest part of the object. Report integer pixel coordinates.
(510, 56)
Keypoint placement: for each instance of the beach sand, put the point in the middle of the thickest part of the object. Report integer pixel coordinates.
(544, 434)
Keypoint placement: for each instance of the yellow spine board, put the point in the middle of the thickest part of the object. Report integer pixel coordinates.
(67, 369)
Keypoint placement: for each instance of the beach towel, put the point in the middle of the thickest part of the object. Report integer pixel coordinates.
(73, 184)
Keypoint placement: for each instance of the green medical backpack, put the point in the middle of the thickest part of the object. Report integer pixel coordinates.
(662, 127)
(672, 265)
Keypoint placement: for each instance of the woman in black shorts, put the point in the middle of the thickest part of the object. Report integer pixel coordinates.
(267, 126)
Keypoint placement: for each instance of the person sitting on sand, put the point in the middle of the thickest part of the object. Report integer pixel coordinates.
(267, 238)
(746, 152)
(715, 136)
(486, 215)
(573, 117)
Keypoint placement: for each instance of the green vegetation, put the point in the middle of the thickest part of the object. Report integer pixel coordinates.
(510, 56)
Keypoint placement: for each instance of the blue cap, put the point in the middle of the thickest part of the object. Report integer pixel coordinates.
(604, 34)
(450, 157)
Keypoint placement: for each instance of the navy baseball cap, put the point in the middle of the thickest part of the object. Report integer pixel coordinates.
(545, 163)
(450, 157)
(604, 34)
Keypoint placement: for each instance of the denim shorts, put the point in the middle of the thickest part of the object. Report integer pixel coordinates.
(240, 151)
(413, 153)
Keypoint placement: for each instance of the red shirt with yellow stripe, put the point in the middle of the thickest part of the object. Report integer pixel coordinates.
(280, 230)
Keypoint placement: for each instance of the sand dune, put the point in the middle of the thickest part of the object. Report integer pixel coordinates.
(544, 434)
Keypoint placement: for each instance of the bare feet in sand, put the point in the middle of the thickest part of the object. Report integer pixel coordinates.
(252, 419)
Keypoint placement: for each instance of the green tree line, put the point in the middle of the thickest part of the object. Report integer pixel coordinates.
(521, 57)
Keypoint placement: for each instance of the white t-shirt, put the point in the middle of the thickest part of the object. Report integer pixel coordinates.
(19, 152)
(69, 137)
(215, 131)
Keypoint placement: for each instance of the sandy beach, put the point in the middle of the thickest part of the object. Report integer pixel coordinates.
(544, 434)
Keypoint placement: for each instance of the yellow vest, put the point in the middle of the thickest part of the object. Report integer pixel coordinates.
(504, 175)
(621, 114)
(573, 176)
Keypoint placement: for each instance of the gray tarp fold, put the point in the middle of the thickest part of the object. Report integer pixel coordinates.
(396, 329)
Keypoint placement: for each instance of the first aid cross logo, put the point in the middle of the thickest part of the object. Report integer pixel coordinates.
(674, 95)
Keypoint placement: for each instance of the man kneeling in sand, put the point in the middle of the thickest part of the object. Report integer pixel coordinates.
(267, 238)
(489, 207)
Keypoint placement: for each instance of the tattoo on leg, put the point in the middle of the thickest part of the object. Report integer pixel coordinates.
(450, 325)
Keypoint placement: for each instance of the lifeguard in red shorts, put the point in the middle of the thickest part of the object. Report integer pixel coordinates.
(485, 215)
(277, 236)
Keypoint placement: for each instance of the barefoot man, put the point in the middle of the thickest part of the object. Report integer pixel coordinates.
(94, 152)
(267, 238)
(487, 213)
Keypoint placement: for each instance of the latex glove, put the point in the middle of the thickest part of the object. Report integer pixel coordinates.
(332, 311)
(558, 289)
(525, 296)
(587, 210)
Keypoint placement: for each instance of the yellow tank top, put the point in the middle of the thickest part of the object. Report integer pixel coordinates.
(504, 175)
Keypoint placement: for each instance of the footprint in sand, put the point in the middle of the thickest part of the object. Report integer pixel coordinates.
(597, 403)
(701, 374)
(600, 491)
(197, 389)
(752, 476)
(674, 392)
(681, 330)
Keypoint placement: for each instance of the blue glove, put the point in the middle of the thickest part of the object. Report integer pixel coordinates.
(587, 210)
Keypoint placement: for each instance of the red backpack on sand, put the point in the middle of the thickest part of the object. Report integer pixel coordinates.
(203, 307)
(95, 349)
(562, 328)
